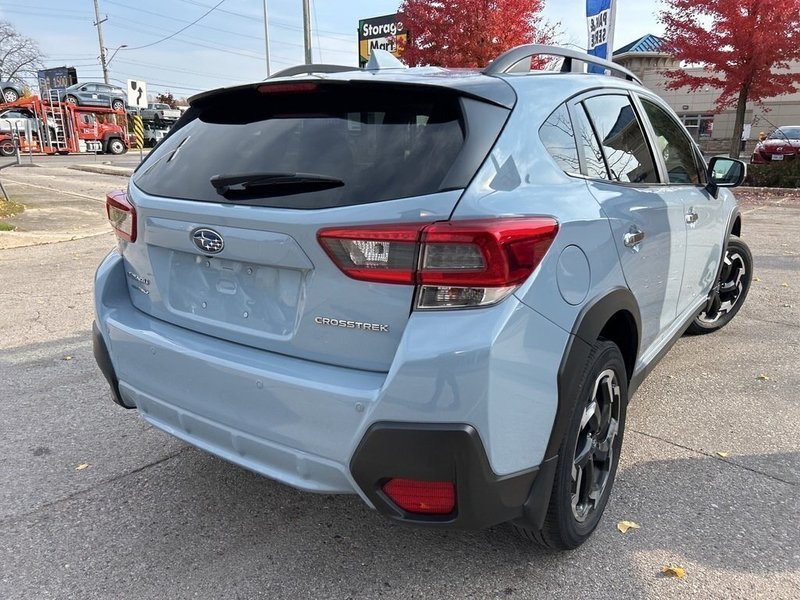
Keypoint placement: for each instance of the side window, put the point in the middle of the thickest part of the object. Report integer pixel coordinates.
(624, 145)
(673, 144)
(89, 87)
(558, 137)
(592, 154)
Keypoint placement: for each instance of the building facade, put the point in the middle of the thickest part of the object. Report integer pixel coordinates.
(713, 131)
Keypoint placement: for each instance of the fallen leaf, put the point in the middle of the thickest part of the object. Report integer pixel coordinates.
(673, 570)
(67, 358)
(81, 466)
(624, 526)
(756, 278)
(723, 454)
(784, 284)
(762, 377)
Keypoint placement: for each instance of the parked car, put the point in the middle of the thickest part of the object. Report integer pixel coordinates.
(22, 119)
(12, 91)
(435, 289)
(780, 145)
(94, 94)
(160, 112)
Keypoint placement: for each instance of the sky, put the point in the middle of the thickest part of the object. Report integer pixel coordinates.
(226, 47)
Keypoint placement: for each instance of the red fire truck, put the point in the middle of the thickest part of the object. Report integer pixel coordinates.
(52, 127)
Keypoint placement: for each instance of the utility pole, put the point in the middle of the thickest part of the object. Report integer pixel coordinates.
(306, 31)
(266, 34)
(98, 23)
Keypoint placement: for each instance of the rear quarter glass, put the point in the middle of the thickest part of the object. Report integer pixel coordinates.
(383, 141)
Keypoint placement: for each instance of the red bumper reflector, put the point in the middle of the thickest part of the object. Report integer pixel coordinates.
(422, 497)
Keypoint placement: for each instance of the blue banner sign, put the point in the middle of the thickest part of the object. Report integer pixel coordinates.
(600, 16)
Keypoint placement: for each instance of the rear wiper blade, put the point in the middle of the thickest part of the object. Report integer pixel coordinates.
(283, 183)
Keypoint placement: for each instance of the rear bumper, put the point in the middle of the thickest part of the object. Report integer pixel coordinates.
(463, 404)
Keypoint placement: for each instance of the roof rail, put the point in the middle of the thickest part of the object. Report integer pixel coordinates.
(506, 62)
(309, 69)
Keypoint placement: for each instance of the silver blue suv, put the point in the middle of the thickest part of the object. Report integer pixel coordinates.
(434, 289)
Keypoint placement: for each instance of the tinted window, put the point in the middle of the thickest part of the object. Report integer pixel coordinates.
(382, 143)
(592, 155)
(559, 138)
(626, 151)
(673, 144)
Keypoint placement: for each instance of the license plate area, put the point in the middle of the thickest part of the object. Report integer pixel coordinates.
(777, 157)
(235, 295)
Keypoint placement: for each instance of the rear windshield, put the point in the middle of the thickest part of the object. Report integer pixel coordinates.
(367, 143)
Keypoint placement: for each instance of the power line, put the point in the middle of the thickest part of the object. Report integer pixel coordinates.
(180, 30)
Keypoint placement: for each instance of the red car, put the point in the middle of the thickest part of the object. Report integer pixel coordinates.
(782, 144)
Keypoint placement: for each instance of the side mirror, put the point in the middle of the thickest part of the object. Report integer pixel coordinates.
(725, 172)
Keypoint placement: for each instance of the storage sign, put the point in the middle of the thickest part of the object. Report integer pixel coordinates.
(600, 17)
(384, 33)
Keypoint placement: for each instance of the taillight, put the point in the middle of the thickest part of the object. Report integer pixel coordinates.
(455, 264)
(121, 214)
(422, 497)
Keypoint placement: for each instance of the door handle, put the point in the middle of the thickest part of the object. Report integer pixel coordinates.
(691, 216)
(633, 237)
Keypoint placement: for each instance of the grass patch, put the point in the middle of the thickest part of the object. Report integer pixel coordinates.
(7, 226)
(10, 208)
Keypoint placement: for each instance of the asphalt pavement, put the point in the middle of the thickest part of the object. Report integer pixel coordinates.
(94, 503)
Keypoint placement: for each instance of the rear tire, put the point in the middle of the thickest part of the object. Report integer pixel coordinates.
(117, 104)
(10, 95)
(7, 148)
(588, 455)
(729, 292)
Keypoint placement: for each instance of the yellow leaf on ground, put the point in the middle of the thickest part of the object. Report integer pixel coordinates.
(756, 278)
(723, 454)
(81, 466)
(672, 570)
(784, 284)
(624, 526)
(762, 377)
(67, 358)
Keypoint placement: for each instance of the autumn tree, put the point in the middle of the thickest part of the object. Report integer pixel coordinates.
(166, 98)
(470, 33)
(19, 55)
(745, 51)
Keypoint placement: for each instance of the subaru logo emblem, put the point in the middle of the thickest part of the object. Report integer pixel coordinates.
(208, 241)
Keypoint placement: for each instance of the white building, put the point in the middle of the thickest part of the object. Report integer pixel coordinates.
(697, 109)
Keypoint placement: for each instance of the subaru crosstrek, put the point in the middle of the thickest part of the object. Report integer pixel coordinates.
(434, 289)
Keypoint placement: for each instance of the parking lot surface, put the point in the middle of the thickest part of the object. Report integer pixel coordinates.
(94, 503)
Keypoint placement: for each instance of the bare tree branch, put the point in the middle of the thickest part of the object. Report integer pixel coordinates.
(19, 55)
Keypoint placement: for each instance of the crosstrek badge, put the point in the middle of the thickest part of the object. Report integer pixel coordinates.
(352, 324)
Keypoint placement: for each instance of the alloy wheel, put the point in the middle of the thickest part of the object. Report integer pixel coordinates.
(726, 295)
(593, 459)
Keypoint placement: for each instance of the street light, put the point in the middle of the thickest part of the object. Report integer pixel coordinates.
(113, 54)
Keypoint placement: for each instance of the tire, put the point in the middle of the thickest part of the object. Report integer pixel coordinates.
(10, 95)
(7, 148)
(115, 146)
(586, 467)
(71, 100)
(117, 104)
(730, 291)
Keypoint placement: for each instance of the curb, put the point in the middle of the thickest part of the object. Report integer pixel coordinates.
(750, 188)
(104, 170)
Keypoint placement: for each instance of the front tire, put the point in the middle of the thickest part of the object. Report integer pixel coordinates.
(115, 146)
(71, 100)
(589, 453)
(117, 104)
(729, 292)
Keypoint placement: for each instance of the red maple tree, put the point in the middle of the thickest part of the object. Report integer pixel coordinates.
(745, 52)
(470, 33)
